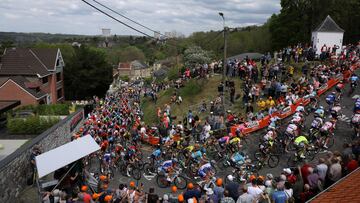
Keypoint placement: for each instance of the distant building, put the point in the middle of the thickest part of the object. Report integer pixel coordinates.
(327, 33)
(157, 34)
(32, 76)
(134, 70)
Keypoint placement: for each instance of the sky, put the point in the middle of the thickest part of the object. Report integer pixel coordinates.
(184, 16)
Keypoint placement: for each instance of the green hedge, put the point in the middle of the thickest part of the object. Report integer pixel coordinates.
(47, 109)
(29, 126)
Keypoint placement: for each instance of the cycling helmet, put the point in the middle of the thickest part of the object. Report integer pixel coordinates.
(174, 160)
(333, 92)
(321, 107)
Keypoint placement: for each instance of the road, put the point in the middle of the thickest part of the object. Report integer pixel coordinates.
(343, 134)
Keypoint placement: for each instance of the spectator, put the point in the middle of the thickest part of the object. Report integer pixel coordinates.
(245, 197)
(322, 169)
(352, 164)
(279, 196)
(313, 179)
(227, 198)
(232, 188)
(151, 196)
(254, 189)
(192, 192)
(219, 189)
(173, 196)
(307, 194)
(334, 171)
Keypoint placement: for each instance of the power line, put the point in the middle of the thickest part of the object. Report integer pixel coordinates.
(122, 15)
(110, 16)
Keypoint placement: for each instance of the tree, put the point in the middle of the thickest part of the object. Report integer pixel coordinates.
(196, 55)
(87, 73)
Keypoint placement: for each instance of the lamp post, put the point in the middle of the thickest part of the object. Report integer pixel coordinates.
(224, 60)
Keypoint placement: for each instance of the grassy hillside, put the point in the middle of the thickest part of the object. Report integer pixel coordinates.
(194, 92)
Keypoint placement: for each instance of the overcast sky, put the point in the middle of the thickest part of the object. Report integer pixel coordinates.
(185, 16)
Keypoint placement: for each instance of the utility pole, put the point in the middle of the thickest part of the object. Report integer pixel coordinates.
(224, 61)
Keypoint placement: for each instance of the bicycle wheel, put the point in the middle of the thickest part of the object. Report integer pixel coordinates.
(331, 142)
(161, 181)
(148, 169)
(136, 173)
(180, 182)
(273, 161)
(310, 155)
(292, 161)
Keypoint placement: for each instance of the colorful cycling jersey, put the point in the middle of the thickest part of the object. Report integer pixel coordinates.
(190, 148)
(196, 155)
(291, 129)
(327, 126)
(296, 119)
(335, 109)
(156, 153)
(300, 109)
(354, 78)
(269, 135)
(340, 86)
(317, 123)
(355, 119)
(330, 98)
(204, 169)
(166, 165)
(234, 140)
(320, 112)
(224, 139)
(273, 121)
(107, 157)
(357, 105)
(301, 139)
(237, 158)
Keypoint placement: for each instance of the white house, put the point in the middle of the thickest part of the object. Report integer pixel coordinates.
(328, 33)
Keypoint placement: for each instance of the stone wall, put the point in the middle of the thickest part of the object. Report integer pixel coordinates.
(15, 168)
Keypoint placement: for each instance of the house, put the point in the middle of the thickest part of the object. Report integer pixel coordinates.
(32, 76)
(134, 70)
(327, 33)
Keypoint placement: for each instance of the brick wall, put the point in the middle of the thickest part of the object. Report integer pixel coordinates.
(14, 169)
(11, 91)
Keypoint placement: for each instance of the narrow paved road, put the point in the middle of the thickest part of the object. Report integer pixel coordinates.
(342, 135)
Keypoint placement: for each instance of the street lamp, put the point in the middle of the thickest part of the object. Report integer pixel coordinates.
(224, 60)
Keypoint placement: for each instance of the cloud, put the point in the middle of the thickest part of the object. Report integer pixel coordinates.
(185, 16)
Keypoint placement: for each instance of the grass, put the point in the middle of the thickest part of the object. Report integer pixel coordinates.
(194, 92)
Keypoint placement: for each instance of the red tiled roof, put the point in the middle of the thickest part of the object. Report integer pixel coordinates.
(124, 66)
(346, 190)
(25, 61)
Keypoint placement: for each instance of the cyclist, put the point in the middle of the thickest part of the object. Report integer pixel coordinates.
(335, 110)
(291, 132)
(326, 130)
(330, 99)
(301, 142)
(156, 154)
(319, 112)
(206, 171)
(168, 167)
(197, 155)
(340, 86)
(223, 141)
(317, 123)
(357, 106)
(235, 143)
(297, 119)
(237, 159)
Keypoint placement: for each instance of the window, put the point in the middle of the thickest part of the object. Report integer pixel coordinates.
(58, 77)
(45, 80)
(57, 62)
(59, 93)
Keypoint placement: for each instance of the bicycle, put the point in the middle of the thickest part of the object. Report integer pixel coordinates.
(178, 180)
(272, 160)
(295, 157)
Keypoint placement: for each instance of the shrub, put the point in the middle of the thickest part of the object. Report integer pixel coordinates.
(191, 88)
(53, 109)
(29, 126)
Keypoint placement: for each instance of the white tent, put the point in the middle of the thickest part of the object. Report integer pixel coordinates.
(59, 157)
